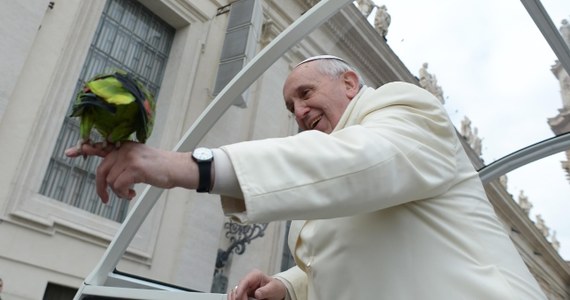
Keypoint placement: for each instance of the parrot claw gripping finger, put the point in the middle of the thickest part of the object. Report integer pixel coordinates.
(115, 145)
(80, 143)
(78, 146)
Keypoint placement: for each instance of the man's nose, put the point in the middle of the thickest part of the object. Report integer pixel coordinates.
(301, 111)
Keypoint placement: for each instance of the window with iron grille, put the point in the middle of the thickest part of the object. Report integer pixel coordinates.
(129, 37)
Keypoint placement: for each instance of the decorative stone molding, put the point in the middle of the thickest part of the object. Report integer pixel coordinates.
(269, 31)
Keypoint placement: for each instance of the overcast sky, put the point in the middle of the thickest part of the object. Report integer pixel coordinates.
(494, 67)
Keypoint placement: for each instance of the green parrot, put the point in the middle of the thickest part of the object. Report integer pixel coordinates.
(117, 106)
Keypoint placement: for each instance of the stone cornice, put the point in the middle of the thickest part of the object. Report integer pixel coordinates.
(367, 50)
(520, 224)
(513, 216)
(509, 211)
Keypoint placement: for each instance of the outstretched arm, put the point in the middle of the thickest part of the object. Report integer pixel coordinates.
(138, 163)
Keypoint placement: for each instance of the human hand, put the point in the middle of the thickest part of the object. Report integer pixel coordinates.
(260, 286)
(133, 163)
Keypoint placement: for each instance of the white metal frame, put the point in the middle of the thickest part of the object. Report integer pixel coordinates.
(550, 146)
(103, 282)
(549, 31)
(524, 156)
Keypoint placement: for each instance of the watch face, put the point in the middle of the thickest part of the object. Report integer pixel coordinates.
(202, 154)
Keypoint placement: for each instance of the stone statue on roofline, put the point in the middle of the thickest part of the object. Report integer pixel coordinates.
(365, 6)
(466, 129)
(524, 203)
(476, 142)
(554, 241)
(542, 226)
(382, 21)
(472, 137)
(429, 82)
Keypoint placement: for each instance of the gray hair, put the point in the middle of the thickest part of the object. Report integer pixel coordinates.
(333, 66)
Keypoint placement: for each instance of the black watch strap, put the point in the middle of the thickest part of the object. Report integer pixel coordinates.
(203, 157)
(205, 170)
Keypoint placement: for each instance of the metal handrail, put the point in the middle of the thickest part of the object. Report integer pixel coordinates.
(313, 18)
(524, 156)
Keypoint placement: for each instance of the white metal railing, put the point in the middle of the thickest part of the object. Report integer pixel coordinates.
(98, 282)
(102, 282)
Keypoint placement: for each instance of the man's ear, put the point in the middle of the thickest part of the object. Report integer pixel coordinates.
(351, 83)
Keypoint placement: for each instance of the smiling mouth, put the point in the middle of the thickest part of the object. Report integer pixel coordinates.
(315, 122)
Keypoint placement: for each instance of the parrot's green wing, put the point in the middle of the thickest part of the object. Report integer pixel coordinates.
(145, 103)
(111, 90)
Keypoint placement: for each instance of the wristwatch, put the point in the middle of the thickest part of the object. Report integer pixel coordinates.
(203, 157)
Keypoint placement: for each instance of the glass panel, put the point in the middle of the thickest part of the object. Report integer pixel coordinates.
(496, 72)
(153, 35)
(115, 10)
(489, 60)
(142, 25)
(145, 64)
(558, 11)
(106, 36)
(129, 18)
(122, 40)
(163, 44)
(493, 69)
(544, 187)
(134, 53)
(95, 64)
(114, 47)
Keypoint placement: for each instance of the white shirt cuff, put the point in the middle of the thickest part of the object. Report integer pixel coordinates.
(225, 179)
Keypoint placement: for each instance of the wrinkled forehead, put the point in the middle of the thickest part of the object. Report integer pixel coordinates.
(301, 75)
